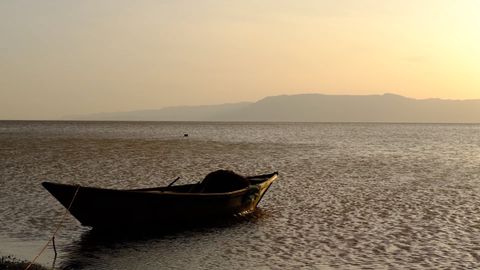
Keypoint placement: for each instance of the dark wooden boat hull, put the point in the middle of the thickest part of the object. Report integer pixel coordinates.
(97, 207)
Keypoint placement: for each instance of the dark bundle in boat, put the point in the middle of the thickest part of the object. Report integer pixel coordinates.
(223, 181)
(221, 193)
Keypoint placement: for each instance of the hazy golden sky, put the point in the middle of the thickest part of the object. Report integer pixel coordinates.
(74, 57)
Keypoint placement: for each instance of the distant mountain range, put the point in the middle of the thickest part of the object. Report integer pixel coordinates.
(315, 108)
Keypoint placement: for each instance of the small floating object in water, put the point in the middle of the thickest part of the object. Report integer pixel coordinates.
(221, 194)
(185, 135)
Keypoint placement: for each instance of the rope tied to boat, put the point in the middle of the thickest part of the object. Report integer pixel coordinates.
(57, 228)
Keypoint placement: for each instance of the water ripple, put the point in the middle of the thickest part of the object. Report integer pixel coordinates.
(350, 196)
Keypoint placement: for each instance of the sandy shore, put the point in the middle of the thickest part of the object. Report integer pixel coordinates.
(12, 263)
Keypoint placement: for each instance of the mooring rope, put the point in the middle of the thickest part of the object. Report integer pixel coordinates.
(56, 229)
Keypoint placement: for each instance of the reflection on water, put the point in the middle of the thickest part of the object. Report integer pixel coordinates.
(121, 244)
(349, 195)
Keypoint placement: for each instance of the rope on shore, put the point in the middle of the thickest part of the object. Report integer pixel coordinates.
(55, 231)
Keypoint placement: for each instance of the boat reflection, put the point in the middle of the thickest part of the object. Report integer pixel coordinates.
(129, 249)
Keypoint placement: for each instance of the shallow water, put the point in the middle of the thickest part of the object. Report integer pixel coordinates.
(355, 196)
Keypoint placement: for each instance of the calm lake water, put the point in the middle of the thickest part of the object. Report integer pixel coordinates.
(349, 196)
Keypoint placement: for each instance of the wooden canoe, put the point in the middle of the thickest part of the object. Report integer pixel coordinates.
(111, 208)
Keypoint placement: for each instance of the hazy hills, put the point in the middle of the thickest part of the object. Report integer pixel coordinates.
(180, 113)
(316, 108)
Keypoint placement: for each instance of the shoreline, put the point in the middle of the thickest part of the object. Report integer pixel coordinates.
(12, 263)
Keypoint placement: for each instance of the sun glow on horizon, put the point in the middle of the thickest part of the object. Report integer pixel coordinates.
(62, 58)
